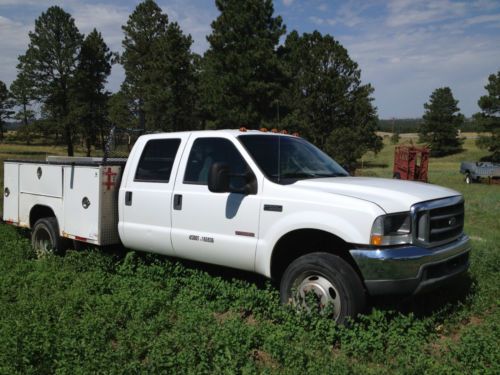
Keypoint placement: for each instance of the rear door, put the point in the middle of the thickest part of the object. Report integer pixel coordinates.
(146, 193)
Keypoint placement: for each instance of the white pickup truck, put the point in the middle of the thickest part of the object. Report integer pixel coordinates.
(258, 201)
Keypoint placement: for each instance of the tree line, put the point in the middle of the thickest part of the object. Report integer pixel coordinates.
(308, 83)
(442, 121)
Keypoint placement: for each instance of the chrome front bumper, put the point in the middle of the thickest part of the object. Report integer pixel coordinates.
(411, 269)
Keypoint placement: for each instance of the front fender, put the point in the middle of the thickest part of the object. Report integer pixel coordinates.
(349, 229)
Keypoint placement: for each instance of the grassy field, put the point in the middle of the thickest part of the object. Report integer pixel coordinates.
(124, 312)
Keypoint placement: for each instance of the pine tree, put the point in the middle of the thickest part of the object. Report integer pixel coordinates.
(5, 107)
(144, 28)
(489, 118)
(121, 111)
(22, 96)
(89, 98)
(325, 99)
(395, 137)
(50, 63)
(171, 93)
(442, 120)
(241, 76)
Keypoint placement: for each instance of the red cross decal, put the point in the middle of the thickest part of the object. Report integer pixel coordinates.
(110, 181)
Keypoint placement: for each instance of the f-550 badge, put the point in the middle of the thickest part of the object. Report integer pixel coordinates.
(193, 237)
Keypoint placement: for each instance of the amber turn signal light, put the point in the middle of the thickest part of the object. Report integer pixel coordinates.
(376, 240)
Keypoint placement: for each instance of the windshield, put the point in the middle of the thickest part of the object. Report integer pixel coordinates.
(297, 159)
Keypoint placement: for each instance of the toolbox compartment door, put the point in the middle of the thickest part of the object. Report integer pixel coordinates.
(81, 202)
(11, 193)
(41, 179)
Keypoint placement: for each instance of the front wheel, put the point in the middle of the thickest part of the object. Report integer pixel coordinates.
(326, 283)
(468, 179)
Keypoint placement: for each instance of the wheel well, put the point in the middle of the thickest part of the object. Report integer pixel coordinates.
(38, 212)
(304, 241)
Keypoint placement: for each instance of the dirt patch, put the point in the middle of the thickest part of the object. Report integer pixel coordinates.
(221, 317)
(454, 336)
(264, 359)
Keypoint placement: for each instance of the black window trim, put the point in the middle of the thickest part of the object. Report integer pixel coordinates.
(173, 162)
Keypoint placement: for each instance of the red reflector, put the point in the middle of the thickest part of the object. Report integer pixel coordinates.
(78, 238)
(9, 221)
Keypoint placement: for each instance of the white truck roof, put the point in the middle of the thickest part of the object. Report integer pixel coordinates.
(228, 132)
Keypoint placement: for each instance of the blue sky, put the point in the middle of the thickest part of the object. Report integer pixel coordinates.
(405, 48)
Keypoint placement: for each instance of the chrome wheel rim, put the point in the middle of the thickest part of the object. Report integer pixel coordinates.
(314, 291)
(43, 242)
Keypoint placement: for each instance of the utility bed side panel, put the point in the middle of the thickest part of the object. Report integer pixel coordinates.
(41, 179)
(81, 202)
(11, 193)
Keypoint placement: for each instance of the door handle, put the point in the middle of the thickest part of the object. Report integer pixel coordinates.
(128, 198)
(177, 202)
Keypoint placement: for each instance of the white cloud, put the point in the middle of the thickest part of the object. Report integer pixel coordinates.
(13, 42)
(288, 2)
(488, 18)
(407, 12)
(193, 20)
(317, 20)
(350, 13)
(323, 7)
(107, 19)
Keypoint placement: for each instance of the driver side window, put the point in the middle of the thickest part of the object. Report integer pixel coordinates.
(207, 151)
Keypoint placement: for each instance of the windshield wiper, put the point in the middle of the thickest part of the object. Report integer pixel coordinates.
(333, 174)
(299, 175)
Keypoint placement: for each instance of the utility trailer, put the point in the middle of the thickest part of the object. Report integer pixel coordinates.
(477, 171)
(411, 163)
(82, 192)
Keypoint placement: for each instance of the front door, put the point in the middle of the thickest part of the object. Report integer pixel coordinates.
(219, 228)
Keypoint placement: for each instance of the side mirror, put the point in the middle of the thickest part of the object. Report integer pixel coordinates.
(219, 180)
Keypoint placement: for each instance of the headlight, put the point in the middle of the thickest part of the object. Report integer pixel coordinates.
(393, 229)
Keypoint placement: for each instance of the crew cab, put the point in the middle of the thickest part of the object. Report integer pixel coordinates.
(264, 202)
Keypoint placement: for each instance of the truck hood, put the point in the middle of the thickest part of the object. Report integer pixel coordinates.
(391, 195)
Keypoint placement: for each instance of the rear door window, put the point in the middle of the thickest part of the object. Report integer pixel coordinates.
(157, 159)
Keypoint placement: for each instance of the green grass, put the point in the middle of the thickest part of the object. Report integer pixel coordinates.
(126, 312)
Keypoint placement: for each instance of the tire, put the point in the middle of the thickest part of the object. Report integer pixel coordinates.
(468, 179)
(45, 237)
(331, 279)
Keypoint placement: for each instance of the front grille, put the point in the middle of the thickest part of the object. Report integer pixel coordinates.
(438, 222)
